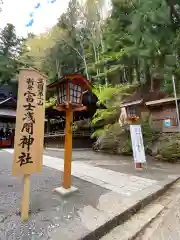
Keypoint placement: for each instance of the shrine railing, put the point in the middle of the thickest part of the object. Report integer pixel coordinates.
(62, 133)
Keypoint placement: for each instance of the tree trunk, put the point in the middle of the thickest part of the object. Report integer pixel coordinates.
(75, 64)
(103, 50)
(58, 69)
(84, 60)
(148, 78)
(95, 59)
(86, 68)
(129, 73)
(137, 70)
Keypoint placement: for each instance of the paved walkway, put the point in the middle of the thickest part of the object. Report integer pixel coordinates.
(166, 226)
(105, 197)
(122, 183)
(169, 228)
(124, 164)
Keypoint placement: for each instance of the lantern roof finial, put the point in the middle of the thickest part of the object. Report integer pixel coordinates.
(76, 77)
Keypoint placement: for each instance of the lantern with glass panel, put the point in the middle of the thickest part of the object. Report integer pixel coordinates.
(70, 90)
(75, 94)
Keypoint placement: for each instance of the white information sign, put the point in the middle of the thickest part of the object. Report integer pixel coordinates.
(137, 144)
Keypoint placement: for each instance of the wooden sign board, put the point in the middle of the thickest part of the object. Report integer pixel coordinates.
(30, 115)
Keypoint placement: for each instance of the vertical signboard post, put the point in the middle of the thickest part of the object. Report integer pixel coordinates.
(137, 146)
(29, 132)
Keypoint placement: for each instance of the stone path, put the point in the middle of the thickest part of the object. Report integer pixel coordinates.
(121, 183)
(105, 198)
(166, 225)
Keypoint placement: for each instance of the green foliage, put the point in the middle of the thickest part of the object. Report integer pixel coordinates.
(150, 135)
(113, 139)
(116, 139)
(169, 149)
(10, 49)
(51, 102)
(111, 97)
(137, 41)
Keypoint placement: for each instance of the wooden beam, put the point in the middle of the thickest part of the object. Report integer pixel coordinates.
(78, 109)
(60, 108)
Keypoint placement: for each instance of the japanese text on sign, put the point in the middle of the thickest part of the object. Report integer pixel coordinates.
(29, 134)
(27, 139)
(137, 144)
(40, 86)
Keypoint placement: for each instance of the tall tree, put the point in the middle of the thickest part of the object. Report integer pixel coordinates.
(92, 22)
(72, 24)
(10, 48)
(136, 43)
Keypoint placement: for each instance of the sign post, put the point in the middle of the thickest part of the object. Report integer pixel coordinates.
(29, 132)
(25, 198)
(137, 146)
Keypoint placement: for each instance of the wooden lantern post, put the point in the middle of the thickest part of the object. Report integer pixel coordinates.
(69, 95)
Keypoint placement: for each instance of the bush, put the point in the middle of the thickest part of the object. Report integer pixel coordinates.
(108, 138)
(150, 135)
(116, 139)
(169, 149)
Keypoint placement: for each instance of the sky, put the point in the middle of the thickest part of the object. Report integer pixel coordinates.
(34, 16)
(31, 15)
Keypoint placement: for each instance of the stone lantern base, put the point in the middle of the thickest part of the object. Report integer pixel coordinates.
(65, 192)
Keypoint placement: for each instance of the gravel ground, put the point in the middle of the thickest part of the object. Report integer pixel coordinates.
(47, 210)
